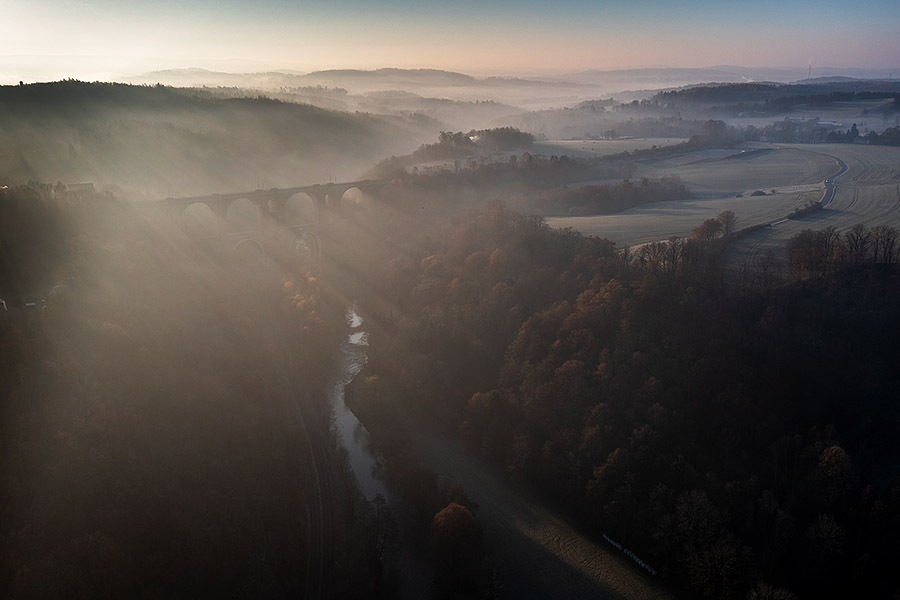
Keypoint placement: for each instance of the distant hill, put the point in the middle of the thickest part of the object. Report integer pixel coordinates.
(660, 77)
(514, 91)
(429, 77)
(456, 115)
(429, 83)
(202, 77)
(158, 140)
(453, 100)
(355, 79)
(836, 79)
(831, 89)
(673, 77)
(518, 93)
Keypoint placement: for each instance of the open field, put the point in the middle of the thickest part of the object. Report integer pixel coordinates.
(865, 164)
(662, 220)
(721, 175)
(867, 205)
(868, 194)
(796, 175)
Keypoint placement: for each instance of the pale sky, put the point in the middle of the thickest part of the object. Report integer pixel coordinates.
(53, 39)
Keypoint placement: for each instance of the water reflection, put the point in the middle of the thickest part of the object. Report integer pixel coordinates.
(353, 435)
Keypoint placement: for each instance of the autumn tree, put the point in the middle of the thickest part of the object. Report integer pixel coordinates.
(457, 541)
(707, 231)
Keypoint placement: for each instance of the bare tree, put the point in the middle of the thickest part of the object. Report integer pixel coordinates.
(674, 254)
(830, 248)
(857, 244)
(729, 221)
(884, 243)
(652, 256)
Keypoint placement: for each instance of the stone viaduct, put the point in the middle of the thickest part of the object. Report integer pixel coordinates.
(248, 220)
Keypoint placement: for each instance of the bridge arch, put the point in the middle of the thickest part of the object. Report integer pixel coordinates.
(307, 244)
(353, 198)
(198, 221)
(243, 215)
(300, 211)
(247, 249)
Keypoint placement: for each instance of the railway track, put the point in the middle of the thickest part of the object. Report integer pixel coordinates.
(323, 489)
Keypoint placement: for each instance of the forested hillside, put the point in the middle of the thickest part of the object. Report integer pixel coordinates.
(162, 141)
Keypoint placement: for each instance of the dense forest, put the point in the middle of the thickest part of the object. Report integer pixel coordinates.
(739, 438)
(152, 441)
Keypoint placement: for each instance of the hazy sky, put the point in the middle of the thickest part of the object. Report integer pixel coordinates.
(85, 38)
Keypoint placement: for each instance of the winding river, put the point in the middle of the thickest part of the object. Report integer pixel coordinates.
(352, 434)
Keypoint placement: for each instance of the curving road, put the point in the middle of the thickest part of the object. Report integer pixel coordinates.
(830, 185)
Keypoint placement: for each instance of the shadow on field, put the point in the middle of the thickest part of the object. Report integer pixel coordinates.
(532, 571)
(820, 215)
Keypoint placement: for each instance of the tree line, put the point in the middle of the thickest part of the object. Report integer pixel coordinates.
(828, 252)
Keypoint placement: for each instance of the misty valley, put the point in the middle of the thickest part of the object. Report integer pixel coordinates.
(412, 333)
